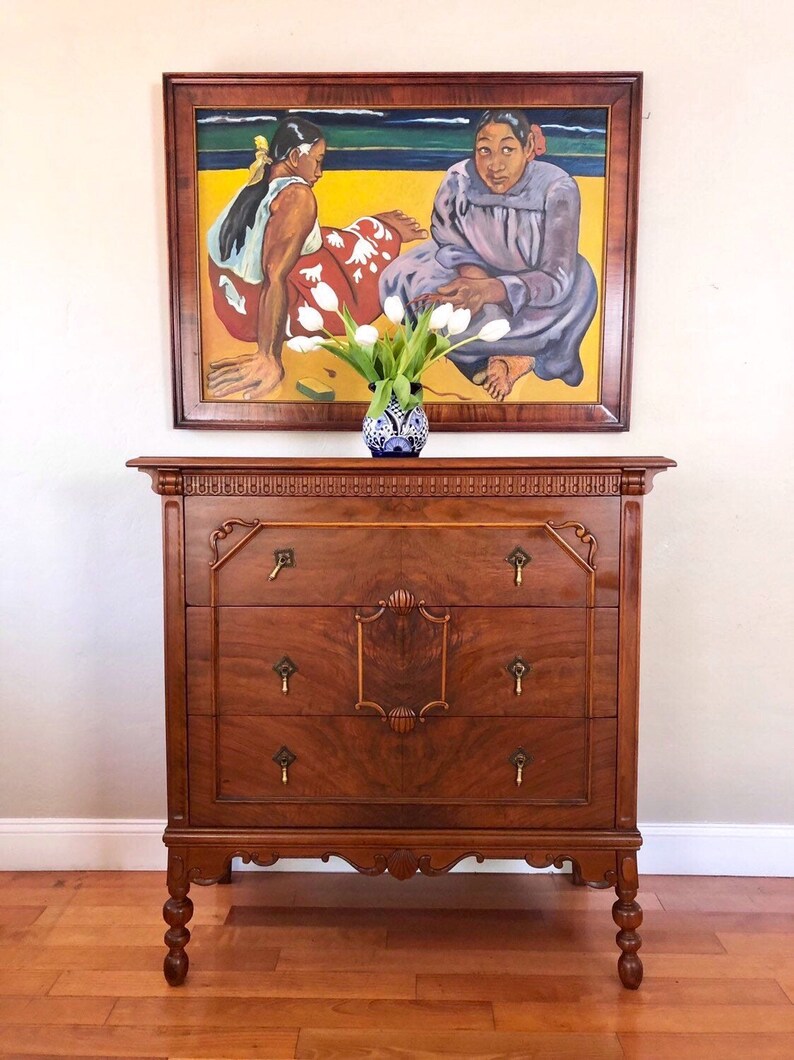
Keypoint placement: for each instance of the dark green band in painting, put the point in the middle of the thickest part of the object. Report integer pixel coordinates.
(401, 139)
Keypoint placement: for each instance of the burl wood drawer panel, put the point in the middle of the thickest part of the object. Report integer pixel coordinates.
(568, 655)
(468, 758)
(334, 757)
(446, 552)
(462, 775)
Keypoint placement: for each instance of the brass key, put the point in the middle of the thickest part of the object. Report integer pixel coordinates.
(284, 557)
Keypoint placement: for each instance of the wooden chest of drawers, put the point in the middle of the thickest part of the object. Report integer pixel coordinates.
(403, 664)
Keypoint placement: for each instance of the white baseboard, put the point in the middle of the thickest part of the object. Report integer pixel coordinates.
(64, 844)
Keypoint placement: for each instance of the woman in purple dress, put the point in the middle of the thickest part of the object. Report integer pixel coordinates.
(505, 240)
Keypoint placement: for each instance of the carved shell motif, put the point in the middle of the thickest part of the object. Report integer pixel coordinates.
(402, 864)
(402, 719)
(401, 602)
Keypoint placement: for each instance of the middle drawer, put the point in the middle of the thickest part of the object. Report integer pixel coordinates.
(532, 661)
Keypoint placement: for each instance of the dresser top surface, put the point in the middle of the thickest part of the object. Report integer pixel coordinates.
(427, 477)
(424, 465)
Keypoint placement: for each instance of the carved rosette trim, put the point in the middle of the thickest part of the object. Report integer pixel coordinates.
(403, 863)
(410, 484)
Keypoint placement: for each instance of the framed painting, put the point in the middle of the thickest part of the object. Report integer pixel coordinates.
(510, 195)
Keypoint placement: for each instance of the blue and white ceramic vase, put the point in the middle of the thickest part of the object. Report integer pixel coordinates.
(396, 432)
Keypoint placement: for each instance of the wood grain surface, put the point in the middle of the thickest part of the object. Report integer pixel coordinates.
(335, 965)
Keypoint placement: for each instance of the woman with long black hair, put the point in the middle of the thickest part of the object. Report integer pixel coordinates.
(267, 251)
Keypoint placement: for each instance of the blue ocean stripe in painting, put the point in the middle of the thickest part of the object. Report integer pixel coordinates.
(386, 158)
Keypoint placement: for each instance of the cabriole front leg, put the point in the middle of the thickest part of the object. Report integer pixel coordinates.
(177, 911)
(627, 914)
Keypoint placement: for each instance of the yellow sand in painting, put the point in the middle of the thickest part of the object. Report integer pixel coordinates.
(341, 198)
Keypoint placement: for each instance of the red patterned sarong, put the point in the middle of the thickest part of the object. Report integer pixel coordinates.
(350, 261)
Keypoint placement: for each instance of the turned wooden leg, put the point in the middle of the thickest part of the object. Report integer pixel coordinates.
(627, 914)
(176, 913)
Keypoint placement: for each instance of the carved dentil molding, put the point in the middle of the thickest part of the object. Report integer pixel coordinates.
(409, 484)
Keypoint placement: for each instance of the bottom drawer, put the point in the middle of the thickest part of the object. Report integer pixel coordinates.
(447, 772)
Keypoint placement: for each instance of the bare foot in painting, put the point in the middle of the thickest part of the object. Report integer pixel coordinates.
(501, 374)
(407, 228)
(252, 375)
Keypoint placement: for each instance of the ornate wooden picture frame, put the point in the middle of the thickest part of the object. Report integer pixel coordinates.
(511, 194)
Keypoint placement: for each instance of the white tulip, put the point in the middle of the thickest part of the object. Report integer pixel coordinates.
(459, 321)
(494, 330)
(305, 343)
(309, 318)
(439, 318)
(394, 309)
(325, 297)
(366, 335)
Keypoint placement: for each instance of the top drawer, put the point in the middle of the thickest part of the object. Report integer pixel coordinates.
(258, 552)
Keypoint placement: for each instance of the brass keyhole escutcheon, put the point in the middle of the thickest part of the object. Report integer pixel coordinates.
(520, 759)
(285, 668)
(284, 557)
(284, 758)
(518, 559)
(518, 669)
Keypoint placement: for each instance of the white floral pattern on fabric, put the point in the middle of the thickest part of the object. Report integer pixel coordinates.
(379, 230)
(362, 252)
(313, 275)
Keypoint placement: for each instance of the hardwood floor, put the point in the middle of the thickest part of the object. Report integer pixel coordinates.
(338, 965)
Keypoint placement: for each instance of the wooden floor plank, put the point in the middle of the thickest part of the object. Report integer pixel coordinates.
(624, 1016)
(152, 1041)
(55, 1010)
(24, 982)
(770, 943)
(438, 960)
(241, 984)
(271, 937)
(181, 1010)
(486, 1045)
(20, 916)
(592, 990)
(718, 1046)
(139, 915)
(136, 958)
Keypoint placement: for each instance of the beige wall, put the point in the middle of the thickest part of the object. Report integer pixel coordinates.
(86, 368)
